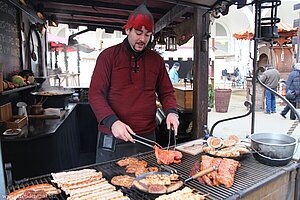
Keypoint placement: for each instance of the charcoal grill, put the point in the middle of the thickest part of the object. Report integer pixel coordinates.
(250, 176)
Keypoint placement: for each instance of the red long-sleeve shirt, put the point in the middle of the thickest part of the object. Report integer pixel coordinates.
(125, 88)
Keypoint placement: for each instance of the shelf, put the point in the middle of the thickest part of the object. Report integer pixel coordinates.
(17, 89)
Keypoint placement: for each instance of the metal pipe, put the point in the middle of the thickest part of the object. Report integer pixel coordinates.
(254, 71)
(297, 185)
(247, 104)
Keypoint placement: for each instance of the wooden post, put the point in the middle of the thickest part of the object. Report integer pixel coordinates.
(200, 92)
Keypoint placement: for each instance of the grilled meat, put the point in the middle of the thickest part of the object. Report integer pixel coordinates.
(86, 184)
(167, 156)
(226, 169)
(206, 163)
(185, 193)
(39, 191)
(195, 169)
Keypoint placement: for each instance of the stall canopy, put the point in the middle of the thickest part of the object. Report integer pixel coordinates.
(286, 33)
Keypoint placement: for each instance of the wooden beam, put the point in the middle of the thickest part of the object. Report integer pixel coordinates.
(201, 63)
(174, 13)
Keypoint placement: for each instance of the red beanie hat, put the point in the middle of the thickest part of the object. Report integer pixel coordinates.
(139, 18)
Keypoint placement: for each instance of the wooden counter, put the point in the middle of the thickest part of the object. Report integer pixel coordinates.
(184, 96)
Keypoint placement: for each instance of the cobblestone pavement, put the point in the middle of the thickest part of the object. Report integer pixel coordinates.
(264, 123)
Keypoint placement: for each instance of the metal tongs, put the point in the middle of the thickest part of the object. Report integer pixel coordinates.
(145, 141)
(174, 137)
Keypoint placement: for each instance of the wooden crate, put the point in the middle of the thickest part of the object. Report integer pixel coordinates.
(184, 96)
(9, 120)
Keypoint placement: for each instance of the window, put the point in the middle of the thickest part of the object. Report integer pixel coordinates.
(221, 38)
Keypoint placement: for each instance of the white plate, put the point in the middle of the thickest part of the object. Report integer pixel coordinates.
(12, 132)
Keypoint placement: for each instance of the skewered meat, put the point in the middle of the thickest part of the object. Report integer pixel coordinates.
(226, 169)
(167, 156)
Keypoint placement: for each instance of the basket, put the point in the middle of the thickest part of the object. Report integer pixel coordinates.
(222, 99)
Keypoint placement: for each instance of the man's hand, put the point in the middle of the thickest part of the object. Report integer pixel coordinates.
(122, 131)
(172, 122)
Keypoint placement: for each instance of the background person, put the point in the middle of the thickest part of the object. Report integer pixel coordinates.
(225, 75)
(173, 72)
(293, 83)
(123, 91)
(167, 67)
(270, 77)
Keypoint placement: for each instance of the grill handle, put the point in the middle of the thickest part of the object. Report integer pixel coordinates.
(201, 173)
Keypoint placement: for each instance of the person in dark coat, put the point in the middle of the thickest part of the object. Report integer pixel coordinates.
(293, 83)
(126, 79)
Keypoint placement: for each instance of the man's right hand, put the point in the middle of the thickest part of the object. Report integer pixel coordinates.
(122, 131)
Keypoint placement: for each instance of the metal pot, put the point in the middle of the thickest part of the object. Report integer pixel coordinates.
(273, 149)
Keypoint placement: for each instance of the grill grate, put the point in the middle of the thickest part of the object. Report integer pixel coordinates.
(248, 175)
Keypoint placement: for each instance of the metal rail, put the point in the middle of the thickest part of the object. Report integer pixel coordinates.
(246, 103)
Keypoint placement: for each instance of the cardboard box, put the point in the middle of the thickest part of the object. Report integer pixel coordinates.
(9, 120)
(184, 96)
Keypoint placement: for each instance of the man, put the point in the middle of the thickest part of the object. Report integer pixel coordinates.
(224, 76)
(167, 67)
(293, 84)
(123, 91)
(173, 72)
(270, 77)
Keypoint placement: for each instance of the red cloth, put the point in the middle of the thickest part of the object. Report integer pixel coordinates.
(132, 99)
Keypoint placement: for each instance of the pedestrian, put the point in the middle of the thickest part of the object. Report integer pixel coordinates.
(189, 75)
(225, 75)
(293, 84)
(173, 72)
(167, 67)
(126, 79)
(270, 77)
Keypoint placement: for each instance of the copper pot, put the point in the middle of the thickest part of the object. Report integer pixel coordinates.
(37, 109)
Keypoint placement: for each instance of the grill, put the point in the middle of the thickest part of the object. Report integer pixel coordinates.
(248, 177)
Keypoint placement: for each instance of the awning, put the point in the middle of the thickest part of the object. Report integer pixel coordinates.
(285, 31)
(57, 43)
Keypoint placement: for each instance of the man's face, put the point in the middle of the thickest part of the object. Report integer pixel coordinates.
(138, 39)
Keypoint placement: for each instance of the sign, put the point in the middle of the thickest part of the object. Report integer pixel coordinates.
(9, 37)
